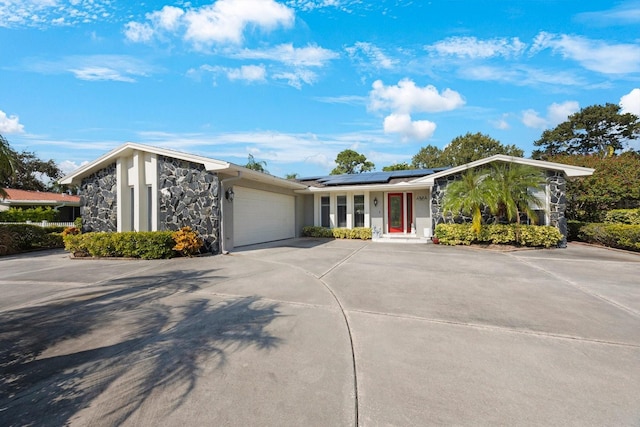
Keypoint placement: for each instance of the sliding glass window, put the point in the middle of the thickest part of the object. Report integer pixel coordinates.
(358, 211)
(342, 211)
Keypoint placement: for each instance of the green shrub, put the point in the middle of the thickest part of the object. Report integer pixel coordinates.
(130, 244)
(573, 229)
(524, 235)
(38, 214)
(77, 223)
(363, 233)
(311, 231)
(623, 216)
(16, 238)
(621, 236)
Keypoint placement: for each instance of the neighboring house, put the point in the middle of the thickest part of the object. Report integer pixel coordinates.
(138, 187)
(68, 206)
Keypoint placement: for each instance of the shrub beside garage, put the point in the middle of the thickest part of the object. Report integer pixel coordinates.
(621, 230)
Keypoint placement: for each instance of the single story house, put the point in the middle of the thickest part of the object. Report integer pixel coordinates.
(68, 206)
(140, 187)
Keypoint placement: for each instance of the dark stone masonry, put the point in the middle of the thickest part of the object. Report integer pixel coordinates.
(189, 197)
(98, 201)
(558, 203)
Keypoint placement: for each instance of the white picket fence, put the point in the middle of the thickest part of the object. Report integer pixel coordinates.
(43, 223)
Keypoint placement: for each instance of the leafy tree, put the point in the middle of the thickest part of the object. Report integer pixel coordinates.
(599, 129)
(428, 157)
(255, 165)
(7, 164)
(475, 146)
(463, 149)
(292, 176)
(29, 172)
(511, 183)
(349, 161)
(398, 167)
(468, 194)
(614, 184)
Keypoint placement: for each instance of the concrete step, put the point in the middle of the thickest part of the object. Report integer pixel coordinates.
(401, 238)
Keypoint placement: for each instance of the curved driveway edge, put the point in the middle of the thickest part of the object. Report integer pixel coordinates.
(439, 336)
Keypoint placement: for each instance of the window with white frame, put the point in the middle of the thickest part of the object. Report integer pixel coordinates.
(342, 211)
(325, 211)
(358, 210)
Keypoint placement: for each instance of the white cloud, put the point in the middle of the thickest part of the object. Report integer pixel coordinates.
(471, 47)
(532, 119)
(296, 78)
(308, 5)
(622, 14)
(556, 114)
(45, 13)
(406, 97)
(374, 56)
(68, 166)
(501, 123)
(630, 103)
(594, 55)
(10, 124)
(249, 73)
(521, 75)
(222, 22)
(138, 32)
(409, 130)
(120, 68)
(309, 56)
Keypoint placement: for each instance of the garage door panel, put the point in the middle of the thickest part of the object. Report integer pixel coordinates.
(262, 216)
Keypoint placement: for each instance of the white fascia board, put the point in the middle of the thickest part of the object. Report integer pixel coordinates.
(253, 175)
(569, 170)
(127, 148)
(401, 186)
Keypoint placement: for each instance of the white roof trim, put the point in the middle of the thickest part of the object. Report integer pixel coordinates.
(208, 163)
(569, 170)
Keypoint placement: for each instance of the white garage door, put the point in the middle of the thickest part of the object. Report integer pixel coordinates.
(262, 216)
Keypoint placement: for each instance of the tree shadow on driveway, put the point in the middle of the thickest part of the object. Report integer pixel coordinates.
(118, 344)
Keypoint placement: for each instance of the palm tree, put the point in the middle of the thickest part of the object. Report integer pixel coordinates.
(469, 194)
(7, 163)
(511, 183)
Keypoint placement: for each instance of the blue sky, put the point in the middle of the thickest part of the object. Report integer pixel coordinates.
(294, 82)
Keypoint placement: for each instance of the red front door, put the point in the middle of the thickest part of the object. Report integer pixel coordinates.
(396, 213)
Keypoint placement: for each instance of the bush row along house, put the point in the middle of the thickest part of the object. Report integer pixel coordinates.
(144, 188)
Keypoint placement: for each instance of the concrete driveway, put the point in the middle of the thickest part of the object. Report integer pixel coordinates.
(323, 333)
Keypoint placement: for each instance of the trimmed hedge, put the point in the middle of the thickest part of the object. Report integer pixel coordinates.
(621, 236)
(524, 235)
(363, 233)
(623, 216)
(16, 238)
(38, 214)
(129, 244)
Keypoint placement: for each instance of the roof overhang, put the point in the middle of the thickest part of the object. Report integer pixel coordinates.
(128, 149)
(569, 170)
(60, 203)
(209, 164)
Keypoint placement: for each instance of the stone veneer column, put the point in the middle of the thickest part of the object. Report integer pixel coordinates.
(189, 197)
(558, 203)
(98, 200)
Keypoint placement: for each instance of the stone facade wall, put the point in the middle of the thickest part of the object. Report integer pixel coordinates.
(189, 197)
(557, 206)
(558, 203)
(98, 201)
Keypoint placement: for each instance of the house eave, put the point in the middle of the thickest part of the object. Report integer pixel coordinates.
(569, 170)
(127, 149)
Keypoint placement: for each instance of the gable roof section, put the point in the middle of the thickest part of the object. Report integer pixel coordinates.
(26, 197)
(209, 164)
(569, 170)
